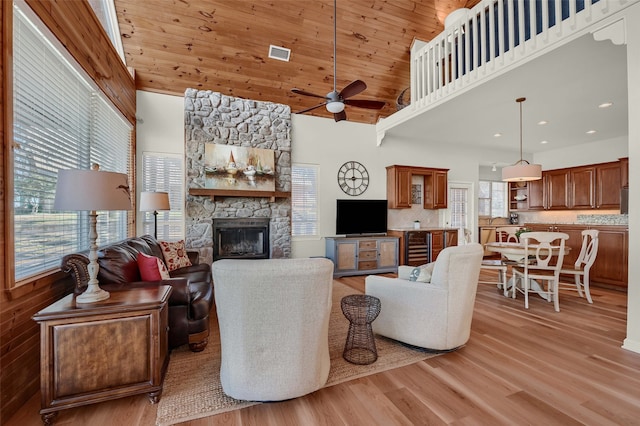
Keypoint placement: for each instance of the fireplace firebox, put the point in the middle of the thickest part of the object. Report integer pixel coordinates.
(241, 238)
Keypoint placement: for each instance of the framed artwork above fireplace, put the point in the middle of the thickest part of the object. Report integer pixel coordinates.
(239, 168)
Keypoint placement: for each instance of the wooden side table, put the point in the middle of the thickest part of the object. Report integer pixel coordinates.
(105, 350)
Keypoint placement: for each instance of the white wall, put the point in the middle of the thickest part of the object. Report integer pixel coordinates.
(160, 128)
(588, 153)
(632, 342)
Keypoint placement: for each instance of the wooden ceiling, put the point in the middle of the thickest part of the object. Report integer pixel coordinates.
(223, 46)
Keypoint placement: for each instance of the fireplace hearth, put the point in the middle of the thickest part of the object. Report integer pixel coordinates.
(241, 238)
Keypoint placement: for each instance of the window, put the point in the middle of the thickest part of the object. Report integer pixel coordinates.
(458, 207)
(163, 172)
(105, 10)
(60, 121)
(304, 200)
(492, 198)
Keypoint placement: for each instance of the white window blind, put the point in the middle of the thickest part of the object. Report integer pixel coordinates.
(163, 172)
(304, 200)
(60, 122)
(458, 207)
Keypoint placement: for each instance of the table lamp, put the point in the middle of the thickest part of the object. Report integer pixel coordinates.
(92, 190)
(152, 202)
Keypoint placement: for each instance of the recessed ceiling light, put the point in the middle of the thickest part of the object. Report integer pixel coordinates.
(542, 122)
(497, 135)
(544, 142)
(605, 105)
(590, 132)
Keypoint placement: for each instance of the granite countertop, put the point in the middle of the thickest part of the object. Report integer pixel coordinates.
(594, 219)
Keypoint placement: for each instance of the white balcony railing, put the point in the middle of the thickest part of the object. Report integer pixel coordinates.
(495, 35)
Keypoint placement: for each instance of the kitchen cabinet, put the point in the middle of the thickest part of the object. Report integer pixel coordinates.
(608, 183)
(362, 255)
(435, 190)
(536, 194)
(557, 185)
(611, 264)
(418, 247)
(399, 179)
(582, 183)
(595, 186)
(399, 187)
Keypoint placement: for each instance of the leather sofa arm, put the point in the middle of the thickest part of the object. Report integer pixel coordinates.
(194, 257)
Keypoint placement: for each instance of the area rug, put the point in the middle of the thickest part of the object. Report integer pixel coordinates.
(192, 388)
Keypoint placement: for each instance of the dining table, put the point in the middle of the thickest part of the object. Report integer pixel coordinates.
(516, 253)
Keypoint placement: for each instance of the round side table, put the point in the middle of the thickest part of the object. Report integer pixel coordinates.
(360, 310)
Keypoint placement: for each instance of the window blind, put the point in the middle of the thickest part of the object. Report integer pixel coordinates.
(458, 207)
(304, 200)
(59, 122)
(163, 172)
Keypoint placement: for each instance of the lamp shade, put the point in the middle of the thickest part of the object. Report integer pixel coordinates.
(522, 172)
(335, 107)
(92, 190)
(152, 201)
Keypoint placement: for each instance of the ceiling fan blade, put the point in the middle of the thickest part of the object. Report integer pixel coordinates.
(311, 108)
(363, 103)
(339, 116)
(353, 89)
(305, 93)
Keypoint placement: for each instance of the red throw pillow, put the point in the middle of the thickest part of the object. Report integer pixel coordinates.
(175, 254)
(151, 268)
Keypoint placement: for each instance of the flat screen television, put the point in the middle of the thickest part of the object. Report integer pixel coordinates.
(361, 217)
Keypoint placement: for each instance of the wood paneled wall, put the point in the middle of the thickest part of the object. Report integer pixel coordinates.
(77, 28)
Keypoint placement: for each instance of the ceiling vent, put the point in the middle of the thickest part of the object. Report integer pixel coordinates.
(279, 53)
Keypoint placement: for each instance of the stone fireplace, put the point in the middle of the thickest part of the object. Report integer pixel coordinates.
(214, 118)
(246, 238)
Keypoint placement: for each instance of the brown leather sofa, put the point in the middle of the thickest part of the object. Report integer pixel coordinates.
(191, 299)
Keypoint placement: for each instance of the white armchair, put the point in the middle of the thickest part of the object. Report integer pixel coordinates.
(274, 326)
(435, 315)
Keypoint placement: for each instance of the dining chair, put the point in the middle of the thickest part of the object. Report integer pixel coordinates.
(507, 234)
(543, 264)
(504, 234)
(583, 264)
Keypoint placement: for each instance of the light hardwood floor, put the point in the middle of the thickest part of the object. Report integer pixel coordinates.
(520, 366)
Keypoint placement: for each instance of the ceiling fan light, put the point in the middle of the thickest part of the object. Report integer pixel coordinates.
(522, 172)
(335, 107)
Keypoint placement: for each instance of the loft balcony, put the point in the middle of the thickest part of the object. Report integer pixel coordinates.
(497, 36)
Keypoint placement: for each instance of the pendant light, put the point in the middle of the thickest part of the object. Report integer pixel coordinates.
(521, 171)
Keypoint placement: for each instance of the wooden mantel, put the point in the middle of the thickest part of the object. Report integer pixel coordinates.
(212, 193)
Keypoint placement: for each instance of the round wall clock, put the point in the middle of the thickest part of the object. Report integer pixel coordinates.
(353, 178)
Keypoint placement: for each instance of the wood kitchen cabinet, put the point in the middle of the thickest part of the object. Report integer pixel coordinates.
(608, 182)
(435, 190)
(557, 186)
(582, 184)
(612, 262)
(399, 179)
(418, 247)
(536, 194)
(624, 172)
(399, 187)
(360, 256)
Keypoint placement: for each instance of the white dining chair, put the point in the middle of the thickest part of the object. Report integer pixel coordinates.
(581, 268)
(545, 254)
(504, 234)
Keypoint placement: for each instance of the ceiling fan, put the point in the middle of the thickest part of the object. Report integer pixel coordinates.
(335, 101)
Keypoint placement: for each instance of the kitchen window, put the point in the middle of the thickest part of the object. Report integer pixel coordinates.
(492, 199)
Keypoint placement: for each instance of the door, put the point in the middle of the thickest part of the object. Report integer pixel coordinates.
(557, 189)
(346, 255)
(583, 192)
(459, 213)
(387, 253)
